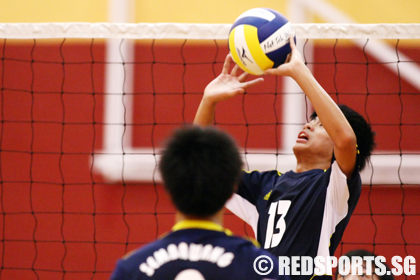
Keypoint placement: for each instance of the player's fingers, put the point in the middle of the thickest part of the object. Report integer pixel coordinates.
(271, 72)
(289, 56)
(226, 65)
(252, 83)
(243, 77)
(234, 70)
(236, 92)
(292, 41)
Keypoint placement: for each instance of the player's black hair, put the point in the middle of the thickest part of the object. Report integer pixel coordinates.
(200, 168)
(364, 134)
(364, 253)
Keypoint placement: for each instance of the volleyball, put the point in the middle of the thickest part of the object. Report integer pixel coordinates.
(259, 40)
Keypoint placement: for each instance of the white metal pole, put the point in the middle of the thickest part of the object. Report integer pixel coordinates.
(118, 83)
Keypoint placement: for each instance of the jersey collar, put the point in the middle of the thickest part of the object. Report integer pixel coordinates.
(199, 224)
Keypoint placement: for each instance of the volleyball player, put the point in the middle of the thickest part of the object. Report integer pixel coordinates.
(302, 212)
(200, 168)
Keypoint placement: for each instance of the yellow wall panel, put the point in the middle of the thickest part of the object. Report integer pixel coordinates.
(380, 11)
(199, 11)
(196, 11)
(53, 11)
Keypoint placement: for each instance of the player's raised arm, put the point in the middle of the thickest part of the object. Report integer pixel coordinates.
(225, 86)
(330, 115)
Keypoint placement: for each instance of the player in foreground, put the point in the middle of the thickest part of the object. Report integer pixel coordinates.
(302, 212)
(200, 168)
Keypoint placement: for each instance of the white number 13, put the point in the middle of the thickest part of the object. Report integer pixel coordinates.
(276, 208)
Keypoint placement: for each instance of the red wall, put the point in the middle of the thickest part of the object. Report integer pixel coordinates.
(60, 217)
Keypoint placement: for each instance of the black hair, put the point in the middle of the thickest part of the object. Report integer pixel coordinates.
(200, 168)
(364, 253)
(364, 134)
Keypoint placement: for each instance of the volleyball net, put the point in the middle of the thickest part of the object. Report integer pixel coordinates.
(85, 109)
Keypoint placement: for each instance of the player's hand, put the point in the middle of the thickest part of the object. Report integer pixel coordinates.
(292, 65)
(227, 85)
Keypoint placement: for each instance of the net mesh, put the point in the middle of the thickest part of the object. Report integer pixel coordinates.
(85, 109)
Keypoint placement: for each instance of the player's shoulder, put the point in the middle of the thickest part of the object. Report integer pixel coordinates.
(256, 177)
(225, 240)
(127, 265)
(143, 251)
(268, 173)
(223, 252)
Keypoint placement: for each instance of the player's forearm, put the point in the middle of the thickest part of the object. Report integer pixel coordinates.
(205, 113)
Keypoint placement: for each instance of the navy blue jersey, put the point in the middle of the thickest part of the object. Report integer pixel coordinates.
(297, 214)
(199, 250)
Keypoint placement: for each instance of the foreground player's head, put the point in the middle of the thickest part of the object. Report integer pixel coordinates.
(363, 253)
(200, 168)
(364, 134)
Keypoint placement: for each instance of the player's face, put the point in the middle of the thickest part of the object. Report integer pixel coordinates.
(314, 140)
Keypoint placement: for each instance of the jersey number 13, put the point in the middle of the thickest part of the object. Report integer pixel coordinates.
(278, 208)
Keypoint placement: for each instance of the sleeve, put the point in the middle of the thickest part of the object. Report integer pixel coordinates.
(255, 185)
(336, 209)
(340, 188)
(337, 191)
(342, 195)
(252, 187)
(118, 273)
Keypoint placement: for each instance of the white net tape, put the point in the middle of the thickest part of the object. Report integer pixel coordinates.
(198, 31)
